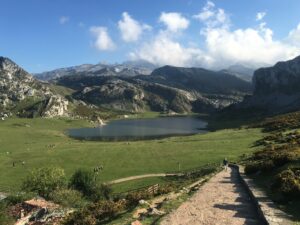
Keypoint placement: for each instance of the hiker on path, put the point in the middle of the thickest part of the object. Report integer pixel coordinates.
(225, 164)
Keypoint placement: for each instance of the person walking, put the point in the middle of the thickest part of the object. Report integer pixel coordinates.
(225, 164)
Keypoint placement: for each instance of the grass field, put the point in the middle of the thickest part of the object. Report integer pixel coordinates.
(42, 142)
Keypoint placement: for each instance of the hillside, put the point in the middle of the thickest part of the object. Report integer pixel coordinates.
(23, 95)
(240, 71)
(276, 89)
(166, 89)
(200, 80)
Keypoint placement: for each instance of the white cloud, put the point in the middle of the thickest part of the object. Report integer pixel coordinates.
(213, 17)
(223, 46)
(164, 50)
(249, 46)
(64, 20)
(131, 30)
(260, 16)
(252, 46)
(174, 21)
(103, 41)
(294, 36)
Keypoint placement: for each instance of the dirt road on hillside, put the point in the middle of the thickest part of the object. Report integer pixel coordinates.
(223, 200)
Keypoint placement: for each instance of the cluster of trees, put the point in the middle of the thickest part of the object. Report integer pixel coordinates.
(52, 184)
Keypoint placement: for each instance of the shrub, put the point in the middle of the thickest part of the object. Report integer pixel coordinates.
(282, 158)
(83, 181)
(14, 199)
(4, 216)
(45, 180)
(96, 213)
(288, 183)
(165, 189)
(101, 192)
(255, 167)
(67, 198)
(252, 167)
(133, 198)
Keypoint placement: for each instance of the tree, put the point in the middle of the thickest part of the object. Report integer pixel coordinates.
(45, 180)
(83, 181)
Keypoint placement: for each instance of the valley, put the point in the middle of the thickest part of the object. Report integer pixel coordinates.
(168, 127)
(41, 142)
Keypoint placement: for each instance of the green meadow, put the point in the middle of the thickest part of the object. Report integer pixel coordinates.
(43, 142)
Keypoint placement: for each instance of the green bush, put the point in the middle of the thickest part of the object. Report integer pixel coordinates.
(283, 158)
(45, 180)
(83, 181)
(252, 167)
(14, 199)
(288, 183)
(96, 213)
(67, 198)
(101, 192)
(133, 198)
(165, 189)
(5, 219)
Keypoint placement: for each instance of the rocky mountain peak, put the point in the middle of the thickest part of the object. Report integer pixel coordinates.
(10, 70)
(283, 77)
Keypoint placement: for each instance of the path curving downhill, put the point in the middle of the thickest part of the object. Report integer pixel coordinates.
(223, 200)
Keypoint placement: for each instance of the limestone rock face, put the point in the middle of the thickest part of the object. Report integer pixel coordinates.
(284, 77)
(18, 87)
(276, 89)
(56, 106)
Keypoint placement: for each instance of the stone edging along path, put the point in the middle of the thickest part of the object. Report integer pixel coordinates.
(267, 210)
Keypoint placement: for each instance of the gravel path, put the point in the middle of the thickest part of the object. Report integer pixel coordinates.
(223, 200)
(141, 176)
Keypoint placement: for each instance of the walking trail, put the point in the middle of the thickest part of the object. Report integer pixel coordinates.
(141, 176)
(223, 200)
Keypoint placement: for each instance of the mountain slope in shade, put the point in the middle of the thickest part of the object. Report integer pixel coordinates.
(200, 80)
(276, 88)
(240, 71)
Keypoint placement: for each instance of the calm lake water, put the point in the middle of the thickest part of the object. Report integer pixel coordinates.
(137, 129)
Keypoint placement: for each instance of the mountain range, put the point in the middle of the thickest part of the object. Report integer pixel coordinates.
(132, 87)
(127, 87)
(130, 68)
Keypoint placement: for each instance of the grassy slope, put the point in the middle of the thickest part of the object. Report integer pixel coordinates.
(29, 139)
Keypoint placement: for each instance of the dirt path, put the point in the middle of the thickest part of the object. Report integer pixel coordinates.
(140, 177)
(223, 200)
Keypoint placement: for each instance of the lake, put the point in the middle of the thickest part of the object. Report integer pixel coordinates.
(138, 129)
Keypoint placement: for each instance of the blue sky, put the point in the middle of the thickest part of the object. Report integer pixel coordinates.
(42, 35)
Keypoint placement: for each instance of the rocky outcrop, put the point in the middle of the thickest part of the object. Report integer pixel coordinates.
(56, 106)
(284, 78)
(276, 89)
(24, 95)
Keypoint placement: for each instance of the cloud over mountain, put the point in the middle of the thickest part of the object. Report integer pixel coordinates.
(131, 29)
(103, 41)
(218, 45)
